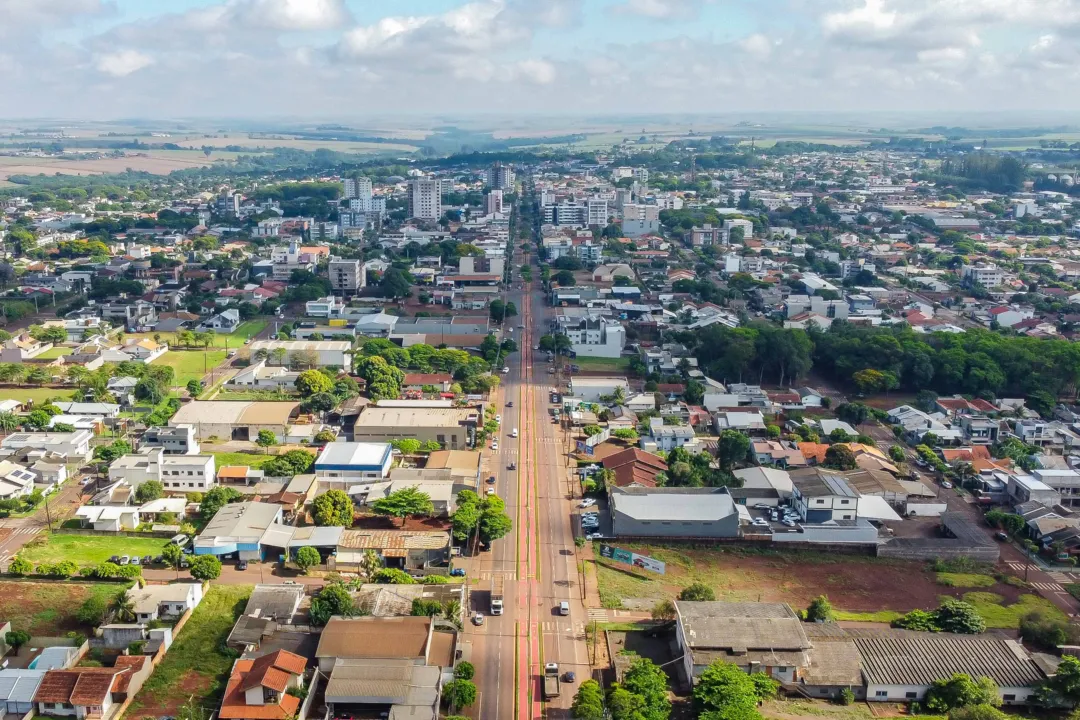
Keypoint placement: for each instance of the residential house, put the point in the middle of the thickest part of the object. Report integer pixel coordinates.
(90, 692)
(178, 473)
(781, 453)
(73, 446)
(225, 321)
(259, 689)
(155, 602)
(109, 518)
(21, 348)
(820, 496)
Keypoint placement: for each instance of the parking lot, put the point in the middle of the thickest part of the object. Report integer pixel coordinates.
(777, 519)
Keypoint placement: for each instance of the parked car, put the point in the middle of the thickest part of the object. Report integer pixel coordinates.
(477, 619)
(148, 560)
(1001, 535)
(587, 502)
(594, 536)
(136, 560)
(490, 491)
(491, 480)
(498, 419)
(457, 572)
(946, 484)
(241, 564)
(115, 559)
(125, 560)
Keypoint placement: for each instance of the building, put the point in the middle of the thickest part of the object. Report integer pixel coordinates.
(757, 637)
(91, 692)
(987, 275)
(453, 428)
(635, 468)
(596, 210)
(178, 473)
(820, 496)
(109, 518)
(259, 689)
(346, 276)
(425, 199)
(341, 465)
(236, 530)
(358, 188)
(172, 440)
(493, 202)
(640, 220)
(74, 446)
(501, 177)
(596, 336)
(592, 389)
(231, 420)
(638, 512)
(166, 602)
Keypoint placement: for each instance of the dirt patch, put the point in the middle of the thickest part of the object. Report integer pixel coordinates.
(191, 685)
(48, 609)
(856, 584)
(381, 522)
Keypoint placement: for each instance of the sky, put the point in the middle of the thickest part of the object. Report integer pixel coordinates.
(346, 59)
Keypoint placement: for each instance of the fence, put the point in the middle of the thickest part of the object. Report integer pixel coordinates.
(163, 534)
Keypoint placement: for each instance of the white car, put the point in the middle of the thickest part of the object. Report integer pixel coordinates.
(498, 419)
(513, 433)
(495, 445)
(594, 536)
(587, 502)
(505, 370)
(536, 347)
(491, 491)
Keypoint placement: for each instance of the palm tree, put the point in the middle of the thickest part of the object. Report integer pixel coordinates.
(123, 607)
(618, 396)
(9, 421)
(370, 563)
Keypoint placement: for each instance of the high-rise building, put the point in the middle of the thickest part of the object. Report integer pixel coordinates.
(598, 212)
(446, 185)
(425, 199)
(501, 177)
(494, 202)
(229, 203)
(359, 187)
(640, 175)
(346, 276)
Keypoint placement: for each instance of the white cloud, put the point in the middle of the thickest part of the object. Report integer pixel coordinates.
(757, 45)
(293, 14)
(659, 9)
(124, 62)
(540, 72)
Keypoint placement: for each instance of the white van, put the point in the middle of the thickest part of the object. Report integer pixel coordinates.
(513, 433)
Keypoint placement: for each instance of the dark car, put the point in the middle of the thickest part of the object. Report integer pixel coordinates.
(147, 559)
(509, 403)
(569, 676)
(457, 572)
(491, 480)
(115, 559)
(241, 564)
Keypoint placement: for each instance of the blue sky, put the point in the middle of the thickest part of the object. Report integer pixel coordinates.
(334, 59)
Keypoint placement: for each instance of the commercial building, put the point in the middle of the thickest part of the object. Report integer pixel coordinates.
(453, 428)
(493, 202)
(639, 512)
(591, 389)
(341, 465)
(425, 199)
(232, 420)
(236, 530)
(640, 220)
(596, 336)
(346, 276)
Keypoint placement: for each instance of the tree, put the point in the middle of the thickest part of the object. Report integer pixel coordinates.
(647, 680)
(565, 278)
(1064, 686)
(957, 616)
(1046, 631)
(149, 490)
(16, 639)
(325, 436)
(588, 702)
(854, 414)
(896, 454)
(977, 712)
(332, 600)
(294, 462)
(311, 382)
(464, 670)
(840, 457)
(625, 705)
(266, 439)
(205, 567)
(697, 591)
(820, 610)
(215, 498)
(459, 693)
(306, 558)
(395, 283)
(731, 447)
(726, 691)
(392, 576)
(921, 620)
(122, 606)
(494, 525)
(334, 508)
(172, 554)
(93, 611)
(961, 690)
(403, 503)
(407, 446)
(9, 421)
(194, 388)
(663, 610)
(20, 566)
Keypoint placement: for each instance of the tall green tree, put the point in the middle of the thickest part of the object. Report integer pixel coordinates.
(403, 503)
(333, 508)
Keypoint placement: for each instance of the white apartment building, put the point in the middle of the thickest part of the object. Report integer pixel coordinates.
(988, 275)
(597, 212)
(178, 473)
(596, 336)
(746, 226)
(358, 188)
(287, 258)
(425, 199)
(324, 231)
(501, 177)
(640, 175)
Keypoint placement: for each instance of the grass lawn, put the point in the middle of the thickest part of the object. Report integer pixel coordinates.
(621, 364)
(998, 615)
(882, 616)
(221, 459)
(195, 664)
(811, 708)
(190, 364)
(88, 549)
(244, 331)
(48, 609)
(256, 395)
(55, 352)
(965, 580)
(38, 395)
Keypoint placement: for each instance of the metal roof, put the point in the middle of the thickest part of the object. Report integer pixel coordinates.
(686, 504)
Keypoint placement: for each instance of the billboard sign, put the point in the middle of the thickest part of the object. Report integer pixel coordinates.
(586, 446)
(631, 558)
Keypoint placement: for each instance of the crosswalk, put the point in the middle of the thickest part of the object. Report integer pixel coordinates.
(1016, 567)
(1049, 587)
(554, 627)
(597, 615)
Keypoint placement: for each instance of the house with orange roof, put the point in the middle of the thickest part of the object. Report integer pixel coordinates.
(257, 689)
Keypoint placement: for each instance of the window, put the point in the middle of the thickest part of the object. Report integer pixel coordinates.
(1008, 698)
(844, 502)
(782, 668)
(911, 695)
(881, 693)
(846, 517)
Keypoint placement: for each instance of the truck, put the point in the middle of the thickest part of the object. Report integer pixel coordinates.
(551, 680)
(497, 595)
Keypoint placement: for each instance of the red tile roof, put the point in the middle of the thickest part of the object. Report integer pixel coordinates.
(635, 467)
(427, 378)
(271, 671)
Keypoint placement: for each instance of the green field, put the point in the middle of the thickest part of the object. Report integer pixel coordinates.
(54, 352)
(198, 662)
(244, 331)
(618, 365)
(38, 395)
(48, 608)
(221, 459)
(87, 549)
(191, 364)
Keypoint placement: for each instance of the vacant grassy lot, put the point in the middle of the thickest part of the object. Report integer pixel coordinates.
(48, 608)
(195, 664)
(256, 395)
(244, 331)
(55, 352)
(860, 588)
(87, 549)
(602, 364)
(221, 459)
(784, 709)
(190, 364)
(38, 395)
